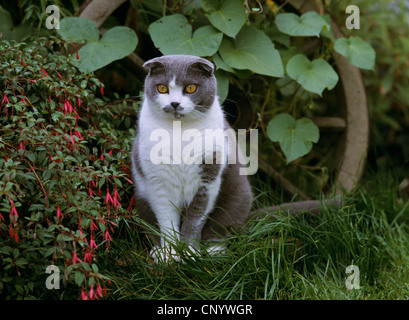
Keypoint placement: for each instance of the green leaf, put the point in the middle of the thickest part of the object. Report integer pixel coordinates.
(173, 35)
(252, 50)
(115, 44)
(314, 76)
(295, 137)
(78, 30)
(79, 278)
(222, 85)
(358, 52)
(219, 63)
(228, 16)
(31, 156)
(8, 31)
(309, 24)
(21, 262)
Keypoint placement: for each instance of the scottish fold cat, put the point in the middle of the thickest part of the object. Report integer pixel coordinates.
(185, 180)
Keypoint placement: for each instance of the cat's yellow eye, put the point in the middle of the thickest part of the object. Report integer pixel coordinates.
(190, 88)
(162, 88)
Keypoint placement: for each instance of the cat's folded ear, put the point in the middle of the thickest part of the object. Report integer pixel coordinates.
(153, 65)
(205, 66)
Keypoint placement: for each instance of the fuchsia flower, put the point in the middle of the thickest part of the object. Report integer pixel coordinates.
(84, 295)
(88, 256)
(5, 100)
(91, 185)
(72, 139)
(115, 198)
(91, 292)
(21, 146)
(44, 72)
(67, 106)
(78, 135)
(93, 226)
(13, 212)
(107, 237)
(99, 291)
(75, 258)
(108, 199)
(92, 244)
(59, 214)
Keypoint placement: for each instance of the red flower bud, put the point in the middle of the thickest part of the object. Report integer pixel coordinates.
(88, 256)
(59, 214)
(45, 72)
(84, 295)
(93, 244)
(5, 100)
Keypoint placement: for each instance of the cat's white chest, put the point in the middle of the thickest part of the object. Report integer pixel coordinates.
(171, 156)
(178, 182)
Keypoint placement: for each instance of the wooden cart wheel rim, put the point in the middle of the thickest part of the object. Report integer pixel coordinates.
(357, 116)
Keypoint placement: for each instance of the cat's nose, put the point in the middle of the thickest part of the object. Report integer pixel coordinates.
(175, 104)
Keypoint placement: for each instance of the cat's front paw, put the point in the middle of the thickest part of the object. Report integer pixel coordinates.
(164, 254)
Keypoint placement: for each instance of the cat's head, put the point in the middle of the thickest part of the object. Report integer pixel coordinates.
(180, 85)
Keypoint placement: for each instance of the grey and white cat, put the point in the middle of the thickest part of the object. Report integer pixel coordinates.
(189, 200)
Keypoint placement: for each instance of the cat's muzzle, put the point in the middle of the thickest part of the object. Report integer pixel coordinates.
(175, 109)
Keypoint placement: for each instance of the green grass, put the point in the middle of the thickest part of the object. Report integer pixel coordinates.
(291, 258)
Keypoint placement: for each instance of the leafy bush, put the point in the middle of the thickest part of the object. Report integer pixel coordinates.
(64, 176)
(268, 44)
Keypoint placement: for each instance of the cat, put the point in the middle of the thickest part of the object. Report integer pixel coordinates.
(191, 198)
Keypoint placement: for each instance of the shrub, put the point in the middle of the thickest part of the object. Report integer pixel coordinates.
(64, 175)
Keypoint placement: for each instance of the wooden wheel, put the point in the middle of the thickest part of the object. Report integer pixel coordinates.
(353, 145)
(355, 141)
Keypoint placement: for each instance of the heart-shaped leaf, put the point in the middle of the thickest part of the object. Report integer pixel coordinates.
(10, 32)
(295, 136)
(252, 50)
(309, 24)
(78, 30)
(314, 76)
(228, 16)
(358, 52)
(173, 35)
(115, 44)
